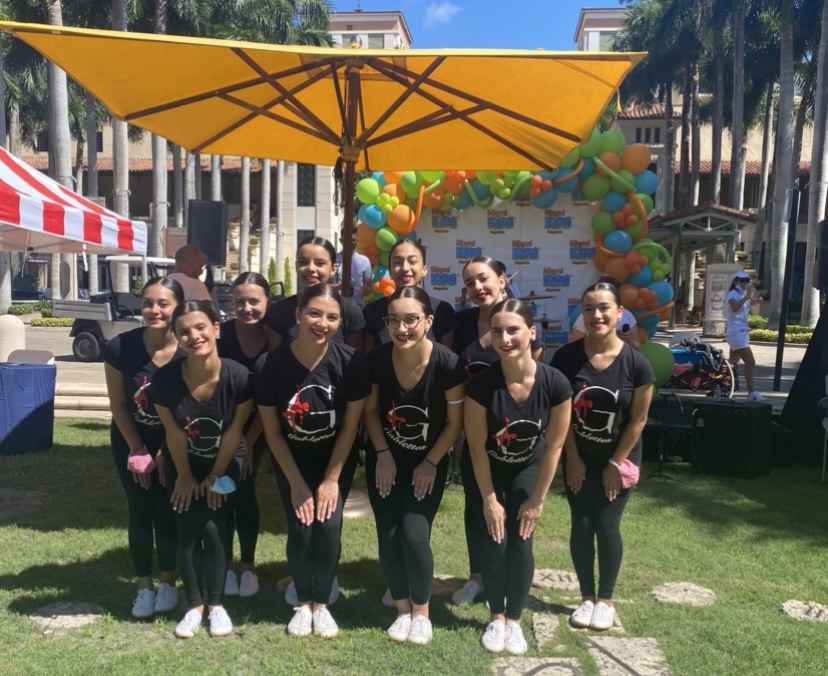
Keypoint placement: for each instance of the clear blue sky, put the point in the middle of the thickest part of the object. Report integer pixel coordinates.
(490, 24)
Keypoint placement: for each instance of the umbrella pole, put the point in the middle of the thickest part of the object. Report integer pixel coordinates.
(348, 228)
(350, 155)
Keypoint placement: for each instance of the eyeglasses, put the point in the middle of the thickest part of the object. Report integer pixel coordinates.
(392, 322)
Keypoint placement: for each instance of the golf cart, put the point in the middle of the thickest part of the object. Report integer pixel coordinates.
(108, 313)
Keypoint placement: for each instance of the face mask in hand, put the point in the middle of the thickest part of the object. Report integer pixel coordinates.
(223, 485)
(141, 462)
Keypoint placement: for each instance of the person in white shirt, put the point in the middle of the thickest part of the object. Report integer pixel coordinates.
(624, 328)
(737, 309)
(361, 271)
(189, 264)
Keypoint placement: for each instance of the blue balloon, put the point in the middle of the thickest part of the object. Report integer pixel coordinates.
(651, 331)
(618, 242)
(379, 272)
(569, 185)
(412, 236)
(480, 191)
(463, 201)
(663, 292)
(379, 178)
(613, 202)
(646, 182)
(648, 322)
(642, 279)
(372, 216)
(545, 199)
(588, 168)
(573, 316)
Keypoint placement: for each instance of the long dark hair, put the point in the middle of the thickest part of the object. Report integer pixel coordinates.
(518, 307)
(170, 284)
(417, 294)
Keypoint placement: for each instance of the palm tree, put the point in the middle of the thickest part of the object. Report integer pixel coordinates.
(264, 220)
(737, 129)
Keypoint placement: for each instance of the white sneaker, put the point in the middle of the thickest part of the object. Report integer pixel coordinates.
(166, 598)
(292, 597)
(324, 624)
(755, 396)
(582, 617)
(231, 584)
(144, 604)
(495, 636)
(467, 593)
(388, 600)
(514, 642)
(220, 624)
(302, 623)
(401, 628)
(189, 625)
(421, 631)
(602, 617)
(249, 584)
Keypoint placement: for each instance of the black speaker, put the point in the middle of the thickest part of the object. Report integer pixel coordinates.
(733, 439)
(207, 229)
(820, 280)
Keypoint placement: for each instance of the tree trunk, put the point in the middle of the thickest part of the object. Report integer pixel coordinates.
(695, 148)
(178, 187)
(280, 231)
(215, 178)
(799, 127)
(189, 184)
(819, 178)
(14, 128)
(737, 188)
(244, 224)
(197, 176)
(762, 216)
(684, 157)
(783, 178)
(78, 178)
(120, 160)
(264, 222)
(5, 258)
(669, 150)
(718, 120)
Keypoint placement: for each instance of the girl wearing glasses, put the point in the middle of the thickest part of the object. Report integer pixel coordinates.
(310, 395)
(412, 417)
(516, 418)
(484, 284)
(407, 265)
(315, 264)
(612, 385)
(204, 402)
(244, 340)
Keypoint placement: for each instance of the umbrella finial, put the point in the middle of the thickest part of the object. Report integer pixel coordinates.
(356, 42)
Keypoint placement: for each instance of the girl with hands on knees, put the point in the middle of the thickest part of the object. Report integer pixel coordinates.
(131, 360)
(310, 394)
(204, 402)
(412, 416)
(612, 385)
(516, 417)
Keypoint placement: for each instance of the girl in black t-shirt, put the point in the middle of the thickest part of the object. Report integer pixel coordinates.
(310, 394)
(130, 362)
(244, 340)
(407, 265)
(516, 418)
(315, 264)
(203, 402)
(484, 283)
(412, 416)
(612, 385)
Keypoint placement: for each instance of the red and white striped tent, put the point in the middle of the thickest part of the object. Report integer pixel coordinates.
(37, 214)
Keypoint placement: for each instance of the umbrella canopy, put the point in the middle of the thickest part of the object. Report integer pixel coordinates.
(38, 214)
(383, 109)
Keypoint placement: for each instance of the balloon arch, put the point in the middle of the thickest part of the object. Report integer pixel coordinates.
(605, 169)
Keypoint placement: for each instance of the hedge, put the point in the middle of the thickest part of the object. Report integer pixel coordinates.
(53, 322)
(757, 322)
(19, 310)
(802, 336)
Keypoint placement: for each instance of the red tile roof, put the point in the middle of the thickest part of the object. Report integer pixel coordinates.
(752, 167)
(648, 112)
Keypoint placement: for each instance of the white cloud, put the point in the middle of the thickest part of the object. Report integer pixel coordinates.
(441, 12)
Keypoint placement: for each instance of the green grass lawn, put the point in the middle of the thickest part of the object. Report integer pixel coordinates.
(755, 543)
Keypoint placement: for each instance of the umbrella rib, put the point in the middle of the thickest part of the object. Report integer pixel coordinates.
(509, 144)
(361, 105)
(387, 69)
(433, 119)
(302, 110)
(366, 134)
(196, 98)
(340, 99)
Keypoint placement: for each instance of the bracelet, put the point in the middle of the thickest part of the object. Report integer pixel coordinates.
(430, 463)
(614, 464)
(382, 450)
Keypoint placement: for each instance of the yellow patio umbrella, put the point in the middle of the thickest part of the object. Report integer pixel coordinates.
(366, 108)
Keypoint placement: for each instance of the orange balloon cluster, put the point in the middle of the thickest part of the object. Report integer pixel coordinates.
(625, 217)
(646, 300)
(635, 262)
(635, 158)
(539, 185)
(611, 161)
(384, 286)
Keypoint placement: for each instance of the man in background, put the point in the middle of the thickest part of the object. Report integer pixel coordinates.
(360, 271)
(189, 264)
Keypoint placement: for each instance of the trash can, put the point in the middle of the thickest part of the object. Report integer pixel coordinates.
(27, 407)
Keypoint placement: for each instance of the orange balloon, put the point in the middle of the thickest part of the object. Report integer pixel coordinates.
(635, 158)
(618, 218)
(616, 268)
(600, 260)
(392, 176)
(631, 220)
(470, 175)
(627, 209)
(664, 315)
(365, 235)
(394, 190)
(374, 258)
(452, 185)
(629, 294)
(433, 200)
(401, 220)
(611, 160)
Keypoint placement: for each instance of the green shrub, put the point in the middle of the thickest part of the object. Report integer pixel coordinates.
(54, 322)
(288, 278)
(768, 336)
(757, 322)
(798, 329)
(46, 310)
(271, 271)
(19, 310)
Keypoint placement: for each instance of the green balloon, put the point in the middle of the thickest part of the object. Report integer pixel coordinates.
(624, 183)
(646, 202)
(572, 159)
(385, 239)
(592, 147)
(613, 142)
(522, 179)
(431, 176)
(368, 191)
(634, 231)
(661, 360)
(595, 187)
(602, 223)
(383, 258)
(410, 183)
(486, 177)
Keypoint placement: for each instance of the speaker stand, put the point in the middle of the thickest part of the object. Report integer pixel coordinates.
(659, 473)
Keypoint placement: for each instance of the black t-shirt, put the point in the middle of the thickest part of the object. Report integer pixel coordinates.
(515, 432)
(128, 354)
(473, 356)
(311, 404)
(601, 399)
(281, 317)
(202, 422)
(230, 348)
(413, 419)
(443, 323)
